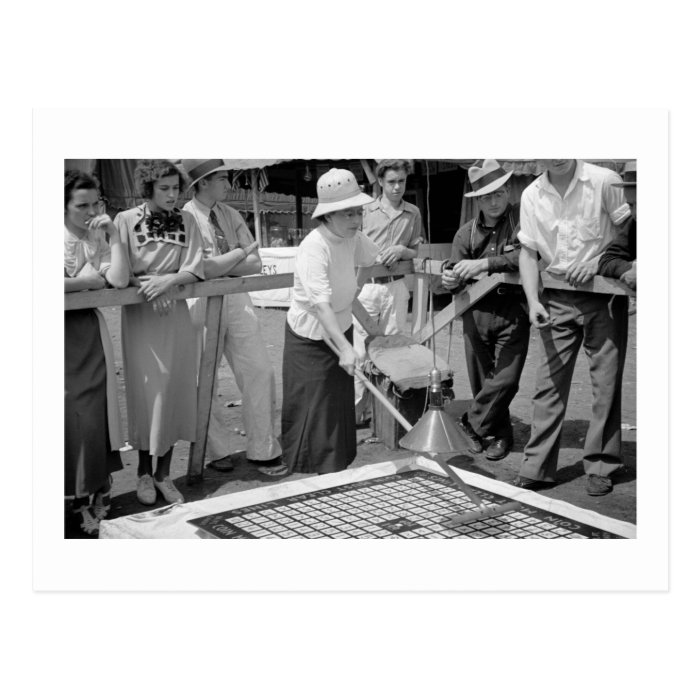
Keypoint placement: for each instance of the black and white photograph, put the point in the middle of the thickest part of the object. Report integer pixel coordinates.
(355, 348)
(351, 390)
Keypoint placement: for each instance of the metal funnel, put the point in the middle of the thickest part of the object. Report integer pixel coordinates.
(435, 433)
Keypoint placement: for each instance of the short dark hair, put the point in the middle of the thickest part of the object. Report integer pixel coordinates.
(77, 180)
(384, 165)
(149, 171)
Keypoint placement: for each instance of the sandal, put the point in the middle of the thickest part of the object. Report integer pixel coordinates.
(278, 470)
(102, 502)
(89, 524)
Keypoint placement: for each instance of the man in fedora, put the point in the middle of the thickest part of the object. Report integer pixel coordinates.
(496, 329)
(230, 251)
(395, 226)
(567, 218)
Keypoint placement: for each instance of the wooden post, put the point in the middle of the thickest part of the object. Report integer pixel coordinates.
(205, 386)
(421, 296)
(256, 205)
(298, 202)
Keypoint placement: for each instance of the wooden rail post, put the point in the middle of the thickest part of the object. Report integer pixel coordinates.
(205, 386)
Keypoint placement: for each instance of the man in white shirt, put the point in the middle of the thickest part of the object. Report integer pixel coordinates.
(567, 218)
(229, 251)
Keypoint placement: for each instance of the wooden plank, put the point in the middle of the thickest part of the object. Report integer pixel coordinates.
(364, 319)
(205, 386)
(597, 285)
(459, 305)
(421, 299)
(208, 288)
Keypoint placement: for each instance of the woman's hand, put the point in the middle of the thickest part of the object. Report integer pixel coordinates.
(162, 305)
(91, 277)
(348, 359)
(153, 286)
(103, 222)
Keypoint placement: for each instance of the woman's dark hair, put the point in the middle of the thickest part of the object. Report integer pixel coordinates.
(384, 165)
(77, 180)
(149, 171)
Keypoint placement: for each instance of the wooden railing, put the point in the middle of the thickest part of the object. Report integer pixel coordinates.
(425, 269)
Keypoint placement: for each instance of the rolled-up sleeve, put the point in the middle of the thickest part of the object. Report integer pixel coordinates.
(614, 199)
(366, 251)
(191, 257)
(528, 223)
(312, 271)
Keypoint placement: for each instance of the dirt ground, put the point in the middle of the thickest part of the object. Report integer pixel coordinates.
(621, 503)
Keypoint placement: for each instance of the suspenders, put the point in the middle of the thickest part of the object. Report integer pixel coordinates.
(511, 222)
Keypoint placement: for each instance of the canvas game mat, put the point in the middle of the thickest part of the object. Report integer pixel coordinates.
(403, 499)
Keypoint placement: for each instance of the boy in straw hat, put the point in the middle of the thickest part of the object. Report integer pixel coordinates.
(395, 226)
(496, 329)
(229, 250)
(567, 218)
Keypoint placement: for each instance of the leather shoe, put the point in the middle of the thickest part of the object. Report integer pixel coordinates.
(225, 464)
(498, 449)
(598, 485)
(473, 440)
(522, 482)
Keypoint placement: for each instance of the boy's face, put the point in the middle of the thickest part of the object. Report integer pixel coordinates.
(631, 197)
(393, 185)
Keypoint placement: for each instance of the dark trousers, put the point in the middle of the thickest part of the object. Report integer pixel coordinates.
(599, 323)
(496, 336)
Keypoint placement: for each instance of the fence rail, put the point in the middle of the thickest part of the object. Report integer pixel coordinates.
(425, 269)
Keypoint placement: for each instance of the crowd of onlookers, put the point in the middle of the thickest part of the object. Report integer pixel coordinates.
(572, 221)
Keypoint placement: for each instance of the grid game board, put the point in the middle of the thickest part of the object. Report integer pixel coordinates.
(407, 505)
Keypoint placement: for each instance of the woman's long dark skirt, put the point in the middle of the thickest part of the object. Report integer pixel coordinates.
(318, 407)
(88, 458)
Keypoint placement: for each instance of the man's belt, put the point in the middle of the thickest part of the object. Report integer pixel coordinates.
(509, 290)
(384, 280)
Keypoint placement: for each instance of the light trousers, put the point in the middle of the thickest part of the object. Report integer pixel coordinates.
(245, 352)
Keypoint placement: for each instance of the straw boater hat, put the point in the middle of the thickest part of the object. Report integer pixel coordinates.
(629, 175)
(487, 177)
(337, 190)
(197, 169)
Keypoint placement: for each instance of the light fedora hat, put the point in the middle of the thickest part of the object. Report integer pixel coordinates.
(338, 189)
(487, 177)
(197, 169)
(629, 175)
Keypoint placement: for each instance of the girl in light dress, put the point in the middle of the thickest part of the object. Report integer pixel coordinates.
(158, 339)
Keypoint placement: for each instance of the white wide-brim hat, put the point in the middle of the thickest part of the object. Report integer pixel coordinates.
(197, 169)
(487, 178)
(337, 190)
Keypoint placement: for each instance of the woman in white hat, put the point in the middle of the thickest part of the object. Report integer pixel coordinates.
(318, 414)
(158, 339)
